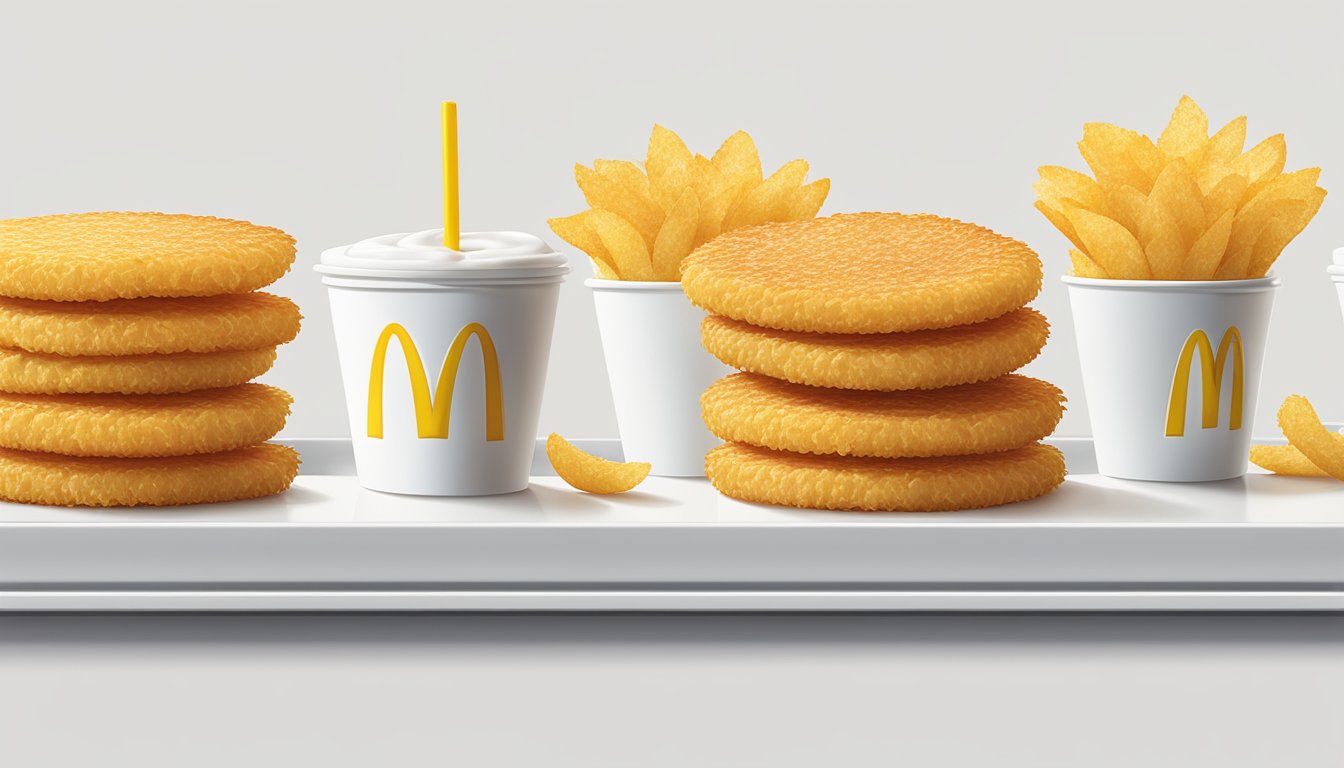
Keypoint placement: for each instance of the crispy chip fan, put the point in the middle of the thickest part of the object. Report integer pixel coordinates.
(1188, 207)
(642, 222)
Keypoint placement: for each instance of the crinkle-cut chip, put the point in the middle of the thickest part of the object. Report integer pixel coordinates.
(862, 273)
(990, 416)
(1160, 236)
(881, 361)
(82, 481)
(805, 201)
(1056, 185)
(41, 374)
(608, 192)
(590, 473)
(101, 256)
(1086, 267)
(1306, 433)
(576, 231)
(624, 243)
(948, 483)
(1176, 191)
(1186, 131)
(676, 237)
(1110, 244)
(1285, 460)
(208, 421)
(1119, 156)
(768, 201)
(669, 164)
(148, 326)
(739, 161)
(1208, 252)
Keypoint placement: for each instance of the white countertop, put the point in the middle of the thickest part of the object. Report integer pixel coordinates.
(1256, 543)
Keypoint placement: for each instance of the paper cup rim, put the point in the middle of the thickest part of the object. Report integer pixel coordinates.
(463, 276)
(1252, 285)
(653, 286)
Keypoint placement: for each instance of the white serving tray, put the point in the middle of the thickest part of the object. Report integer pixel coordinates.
(1258, 543)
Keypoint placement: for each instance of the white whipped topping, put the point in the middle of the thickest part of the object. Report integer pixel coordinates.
(1339, 256)
(425, 251)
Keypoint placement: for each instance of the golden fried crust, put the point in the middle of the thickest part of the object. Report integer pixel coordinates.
(69, 481)
(101, 256)
(1306, 433)
(32, 373)
(148, 326)
(208, 421)
(995, 415)
(1285, 460)
(862, 273)
(881, 361)
(949, 483)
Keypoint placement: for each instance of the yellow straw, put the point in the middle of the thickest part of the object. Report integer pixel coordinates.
(451, 227)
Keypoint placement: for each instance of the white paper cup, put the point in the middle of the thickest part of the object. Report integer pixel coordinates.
(1157, 412)
(491, 402)
(1336, 273)
(658, 370)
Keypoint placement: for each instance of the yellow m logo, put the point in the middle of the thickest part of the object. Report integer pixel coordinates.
(431, 414)
(1211, 371)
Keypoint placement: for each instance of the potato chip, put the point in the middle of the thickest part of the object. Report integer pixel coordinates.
(1280, 231)
(806, 201)
(590, 473)
(1216, 159)
(1057, 184)
(1161, 238)
(768, 201)
(1084, 266)
(1175, 191)
(625, 244)
(1119, 156)
(669, 165)
(1109, 244)
(1126, 205)
(1263, 161)
(1298, 185)
(712, 213)
(628, 175)
(1197, 207)
(1305, 432)
(605, 193)
(1061, 223)
(677, 237)
(730, 181)
(708, 180)
(1246, 228)
(739, 161)
(1186, 132)
(1201, 263)
(1285, 460)
(1225, 196)
(576, 231)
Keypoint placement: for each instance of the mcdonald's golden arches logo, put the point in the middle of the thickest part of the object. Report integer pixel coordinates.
(431, 413)
(1211, 367)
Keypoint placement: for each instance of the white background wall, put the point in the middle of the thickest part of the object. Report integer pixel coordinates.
(321, 118)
